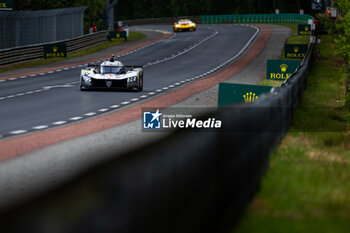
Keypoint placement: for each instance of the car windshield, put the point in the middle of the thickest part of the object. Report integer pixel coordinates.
(184, 21)
(111, 69)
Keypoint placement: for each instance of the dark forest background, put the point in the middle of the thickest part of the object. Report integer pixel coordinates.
(162, 8)
(135, 9)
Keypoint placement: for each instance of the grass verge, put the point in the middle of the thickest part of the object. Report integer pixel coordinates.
(133, 36)
(306, 188)
(293, 39)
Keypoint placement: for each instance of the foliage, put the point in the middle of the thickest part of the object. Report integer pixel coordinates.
(347, 102)
(166, 8)
(93, 14)
(135, 9)
(342, 41)
(347, 108)
(326, 25)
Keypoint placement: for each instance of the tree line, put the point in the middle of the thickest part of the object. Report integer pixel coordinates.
(340, 30)
(94, 14)
(127, 9)
(136, 9)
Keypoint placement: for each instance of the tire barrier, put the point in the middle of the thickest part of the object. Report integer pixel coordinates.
(32, 52)
(186, 182)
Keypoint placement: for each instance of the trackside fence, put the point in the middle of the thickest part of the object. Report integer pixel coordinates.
(32, 52)
(187, 182)
(20, 28)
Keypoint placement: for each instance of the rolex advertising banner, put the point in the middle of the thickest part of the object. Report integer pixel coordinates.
(297, 51)
(114, 35)
(304, 29)
(6, 5)
(281, 69)
(55, 50)
(232, 93)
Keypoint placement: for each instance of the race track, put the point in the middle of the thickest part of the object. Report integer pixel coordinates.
(33, 103)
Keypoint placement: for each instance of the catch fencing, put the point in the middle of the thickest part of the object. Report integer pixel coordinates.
(187, 182)
(19, 28)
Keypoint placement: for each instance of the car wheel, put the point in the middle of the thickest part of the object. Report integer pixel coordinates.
(140, 84)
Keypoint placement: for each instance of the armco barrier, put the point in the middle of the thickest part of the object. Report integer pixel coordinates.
(256, 18)
(187, 182)
(32, 52)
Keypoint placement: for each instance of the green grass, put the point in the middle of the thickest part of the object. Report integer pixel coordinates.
(307, 188)
(269, 82)
(293, 39)
(133, 36)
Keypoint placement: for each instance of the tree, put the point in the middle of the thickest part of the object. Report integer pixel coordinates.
(342, 40)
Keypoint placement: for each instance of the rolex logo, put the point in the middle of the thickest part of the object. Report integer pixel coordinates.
(296, 49)
(250, 97)
(54, 49)
(306, 28)
(284, 68)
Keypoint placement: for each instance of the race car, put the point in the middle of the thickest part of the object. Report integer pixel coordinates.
(184, 25)
(111, 74)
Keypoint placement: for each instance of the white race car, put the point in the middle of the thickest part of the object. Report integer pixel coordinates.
(111, 74)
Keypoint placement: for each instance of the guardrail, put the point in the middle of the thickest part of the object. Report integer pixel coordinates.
(32, 52)
(187, 182)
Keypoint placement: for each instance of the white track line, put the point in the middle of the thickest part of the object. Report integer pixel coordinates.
(143, 96)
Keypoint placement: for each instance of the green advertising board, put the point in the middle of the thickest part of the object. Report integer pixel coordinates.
(255, 18)
(232, 93)
(304, 30)
(6, 5)
(281, 69)
(297, 51)
(114, 35)
(55, 50)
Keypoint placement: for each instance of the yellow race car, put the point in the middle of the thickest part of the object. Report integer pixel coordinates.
(184, 25)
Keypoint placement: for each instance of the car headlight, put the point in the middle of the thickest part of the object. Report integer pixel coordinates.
(86, 78)
(132, 80)
(176, 25)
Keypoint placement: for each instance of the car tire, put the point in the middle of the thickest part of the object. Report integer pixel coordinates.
(140, 87)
